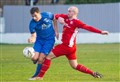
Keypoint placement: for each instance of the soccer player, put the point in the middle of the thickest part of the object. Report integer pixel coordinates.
(68, 46)
(42, 35)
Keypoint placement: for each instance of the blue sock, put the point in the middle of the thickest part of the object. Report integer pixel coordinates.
(37, 69)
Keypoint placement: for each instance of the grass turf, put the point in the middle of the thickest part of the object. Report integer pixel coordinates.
(104, 58)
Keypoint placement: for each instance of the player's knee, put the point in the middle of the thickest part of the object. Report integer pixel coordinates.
(35, 57)
(40, 62)
(73, 67)
(51, 56)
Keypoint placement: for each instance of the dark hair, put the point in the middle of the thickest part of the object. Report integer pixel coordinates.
(34, 9)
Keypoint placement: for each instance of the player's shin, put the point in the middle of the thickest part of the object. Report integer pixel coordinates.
(84, 69)
(38, 68)
(44, 68)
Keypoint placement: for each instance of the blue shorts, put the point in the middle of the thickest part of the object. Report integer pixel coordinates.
(44, 46)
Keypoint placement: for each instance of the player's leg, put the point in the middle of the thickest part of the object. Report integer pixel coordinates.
(84, 69)
(40, 61)
(79, 67)
(35, 57)
(37, 70)
(58, 50)
(46, 65)
(41, 58)
(74, 64)
(37, 47)
(46, 48)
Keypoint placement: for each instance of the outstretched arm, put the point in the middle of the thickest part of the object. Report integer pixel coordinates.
(90, 28)
(93, 29)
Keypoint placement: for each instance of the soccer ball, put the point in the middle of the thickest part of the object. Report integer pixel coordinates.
(28, 52)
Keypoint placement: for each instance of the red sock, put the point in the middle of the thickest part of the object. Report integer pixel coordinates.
(44, 68)
(84, 69)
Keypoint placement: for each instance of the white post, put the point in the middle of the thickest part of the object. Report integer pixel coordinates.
(2, 24)
(31, 2)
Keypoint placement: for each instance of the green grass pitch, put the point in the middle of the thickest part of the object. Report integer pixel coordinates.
(104, 58)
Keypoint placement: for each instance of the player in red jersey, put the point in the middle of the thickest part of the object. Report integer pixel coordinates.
(68, 46)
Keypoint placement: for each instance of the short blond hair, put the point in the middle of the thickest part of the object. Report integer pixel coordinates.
(74, 9)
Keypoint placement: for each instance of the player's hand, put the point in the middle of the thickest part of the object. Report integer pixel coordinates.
(61, 20)
(104, 32)
(31, 39)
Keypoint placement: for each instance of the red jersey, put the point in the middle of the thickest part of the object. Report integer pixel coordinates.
(70, 29)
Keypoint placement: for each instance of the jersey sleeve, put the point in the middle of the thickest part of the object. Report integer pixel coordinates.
(60, 15)
(80, 24)
(48, 15)
(32, 26)
(51, 15)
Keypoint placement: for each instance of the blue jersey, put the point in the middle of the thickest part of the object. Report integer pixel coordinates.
(44, 27)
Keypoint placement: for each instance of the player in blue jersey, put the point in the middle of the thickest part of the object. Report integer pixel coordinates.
(42, 35)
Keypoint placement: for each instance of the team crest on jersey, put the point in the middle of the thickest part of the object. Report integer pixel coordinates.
(44, 26)
(46, 20)
(71, 22)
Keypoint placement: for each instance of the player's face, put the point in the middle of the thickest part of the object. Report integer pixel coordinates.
(70, 13)
(36, 16)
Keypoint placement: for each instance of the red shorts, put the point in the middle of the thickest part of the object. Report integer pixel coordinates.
(61, 49)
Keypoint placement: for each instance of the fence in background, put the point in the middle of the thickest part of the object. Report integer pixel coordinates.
(102, 16)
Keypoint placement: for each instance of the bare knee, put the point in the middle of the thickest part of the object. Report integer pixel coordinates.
(73, 66)
(40, 62)
(50, 56)
(41, 58)
(35, 57)
(73, 63)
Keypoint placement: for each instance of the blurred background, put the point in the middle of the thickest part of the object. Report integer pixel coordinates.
(102, 14)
